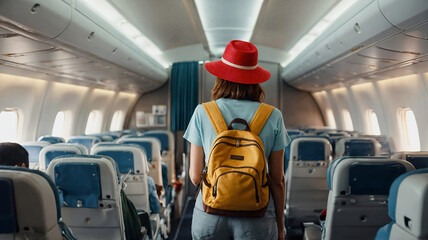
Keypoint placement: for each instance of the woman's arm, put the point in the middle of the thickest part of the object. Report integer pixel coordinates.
(196, 163)
(276, 172)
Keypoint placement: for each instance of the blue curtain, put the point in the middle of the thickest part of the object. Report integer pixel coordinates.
(184, 93)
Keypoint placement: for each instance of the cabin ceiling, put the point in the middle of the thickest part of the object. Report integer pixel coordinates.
(82, 48)
(175, 23)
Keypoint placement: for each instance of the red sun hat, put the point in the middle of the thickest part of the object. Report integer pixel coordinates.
(239, 64)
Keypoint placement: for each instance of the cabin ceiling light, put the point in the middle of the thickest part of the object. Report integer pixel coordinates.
(317, 30)
(113, 17)
(225, 20)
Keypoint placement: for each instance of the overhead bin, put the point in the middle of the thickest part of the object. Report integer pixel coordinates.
(90, 33)
(46, 17)
(341, 53)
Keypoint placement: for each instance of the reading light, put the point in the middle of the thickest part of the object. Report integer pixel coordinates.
(112, 16)
(225, 20)
(317, 30)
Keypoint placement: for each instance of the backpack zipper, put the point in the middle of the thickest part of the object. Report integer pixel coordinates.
(214, 193)
(238, 167)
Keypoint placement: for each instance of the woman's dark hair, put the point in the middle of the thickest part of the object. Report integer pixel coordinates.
(238, 91)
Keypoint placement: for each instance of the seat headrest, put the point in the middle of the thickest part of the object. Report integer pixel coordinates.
(163, 138)
(418, 159)
(310, 148)
(357, 146)
(78, 183)
(408, 202)
(36, 186)
(51, 139)
(151, 146)
(34, 151)
(87, 141)
(364, 175)
(50, 152)
(8, 223)
(129, 157)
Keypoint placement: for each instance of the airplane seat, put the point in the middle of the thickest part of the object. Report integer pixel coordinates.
(132, 163)
(151, 147)
(166, 139)
(307, 189)
(357, 201)
(87, 141)
(89, 187)
(418, 159)
(357, 146)
(33, 149)
(29, 206)
(51, 139)
(408, 208)
(48, 153)
(295, 132)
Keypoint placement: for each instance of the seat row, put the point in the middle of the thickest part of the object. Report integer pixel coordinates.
(133, 163)
(309, 180)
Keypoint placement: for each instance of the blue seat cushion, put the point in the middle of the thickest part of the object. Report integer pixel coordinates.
(124, 159)
(79, 184)
(311, 151)
(8, 222)
(51, 155)
(373, 178)
(359, 147)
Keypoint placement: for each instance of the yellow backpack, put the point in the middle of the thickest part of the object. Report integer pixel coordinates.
(235, 179)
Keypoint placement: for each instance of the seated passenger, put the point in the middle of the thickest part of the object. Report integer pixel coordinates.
(13, 154)
(155, 206)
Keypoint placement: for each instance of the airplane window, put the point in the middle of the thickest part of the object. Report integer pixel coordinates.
(117, 121)
(9, 125)
(374, 123)
(59, 124)
(411, 131)
(94, 123)
(347, 121)
(330, 118)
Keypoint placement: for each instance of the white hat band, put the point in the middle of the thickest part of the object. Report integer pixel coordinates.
(238, 66)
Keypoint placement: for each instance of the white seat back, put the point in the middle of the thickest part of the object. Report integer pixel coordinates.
(307, 189)
(166, 139)
(90, 190)
(408, 208)
(48, 153)
(151, 147)
(30, 205)
(357, 202)
(133, 168)
(33, 149)
(357, 146)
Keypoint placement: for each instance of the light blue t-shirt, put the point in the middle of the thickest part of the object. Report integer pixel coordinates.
(201, 132)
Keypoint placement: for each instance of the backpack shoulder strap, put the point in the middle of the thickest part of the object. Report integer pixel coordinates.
(260, 118)
(215, 116)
